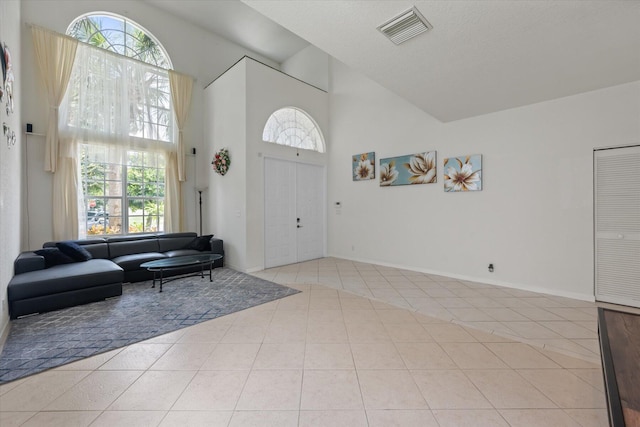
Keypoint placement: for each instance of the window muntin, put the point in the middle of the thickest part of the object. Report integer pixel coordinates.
(139, 93)
(123, 187)
(126, 178)
(119, 35)
(294, 128)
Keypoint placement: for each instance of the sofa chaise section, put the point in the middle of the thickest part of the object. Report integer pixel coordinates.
(67, 285)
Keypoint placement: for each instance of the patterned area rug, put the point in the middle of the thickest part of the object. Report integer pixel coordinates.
(47, 340)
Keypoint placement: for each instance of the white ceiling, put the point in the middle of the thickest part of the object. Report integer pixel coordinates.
(482, 56)
(238, 23)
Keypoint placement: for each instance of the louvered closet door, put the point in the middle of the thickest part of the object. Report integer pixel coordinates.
(617, 225)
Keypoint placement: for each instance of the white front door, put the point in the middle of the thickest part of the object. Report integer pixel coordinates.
(310, 211)
(294, 212)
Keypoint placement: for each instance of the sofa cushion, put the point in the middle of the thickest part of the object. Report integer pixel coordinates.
(64, 278)
(132, 261)
(96, 246)
(173, 241)
(127, 245)
(200, 243)
(182, 252)
(53, 257)
(74, 251)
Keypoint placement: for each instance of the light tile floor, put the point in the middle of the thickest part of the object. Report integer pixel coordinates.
(331, 357)
(555, 323)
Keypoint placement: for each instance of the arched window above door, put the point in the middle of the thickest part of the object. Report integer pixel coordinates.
(293, 127)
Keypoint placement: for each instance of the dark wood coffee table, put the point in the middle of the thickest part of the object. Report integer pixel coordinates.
(159, 266)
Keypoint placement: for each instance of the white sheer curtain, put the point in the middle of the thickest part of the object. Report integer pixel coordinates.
(55, 56)
(115, 100)
(173, 196)
(117, 103)
(67, 207)
(181, 88)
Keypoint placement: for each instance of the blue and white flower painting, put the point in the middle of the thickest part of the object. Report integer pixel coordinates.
(364, 166)
(410, 169)
(463, 173)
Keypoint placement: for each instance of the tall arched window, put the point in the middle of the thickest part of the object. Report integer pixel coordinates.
(119, 35)
(293, 127)
(118, 109)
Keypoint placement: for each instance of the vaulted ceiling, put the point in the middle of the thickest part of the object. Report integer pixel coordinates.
(480, 57)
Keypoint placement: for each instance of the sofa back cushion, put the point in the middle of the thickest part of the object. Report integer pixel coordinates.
(97, 247)
(74, 251)
(127, 245)
(201, 243)
(173, 241)
(53, 257)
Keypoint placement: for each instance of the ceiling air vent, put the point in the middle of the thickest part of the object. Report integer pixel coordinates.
(405, 26)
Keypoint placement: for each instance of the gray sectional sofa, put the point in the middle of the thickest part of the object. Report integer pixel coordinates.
(114, 260)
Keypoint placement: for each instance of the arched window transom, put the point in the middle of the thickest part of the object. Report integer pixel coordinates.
(294, 128)
(119, 35)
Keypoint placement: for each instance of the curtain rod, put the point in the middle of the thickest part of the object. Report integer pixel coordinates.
(107, 51)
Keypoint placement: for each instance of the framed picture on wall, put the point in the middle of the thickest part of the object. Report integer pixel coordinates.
(463, 173)
(363, 166)
(410, 169)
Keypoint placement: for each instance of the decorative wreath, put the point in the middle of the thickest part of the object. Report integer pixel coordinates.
(221, 161)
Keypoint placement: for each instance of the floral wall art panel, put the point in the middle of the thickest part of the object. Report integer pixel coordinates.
(364, 166)
(463, 173)
(410, 169)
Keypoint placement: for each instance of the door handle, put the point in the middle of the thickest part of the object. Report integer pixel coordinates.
(298, 226)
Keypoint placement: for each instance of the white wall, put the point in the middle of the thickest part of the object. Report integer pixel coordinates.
(533, 218)
(238, 105)
(225, 107)
(192, 51)
(11, 160)
(310, 65)
(269, 90)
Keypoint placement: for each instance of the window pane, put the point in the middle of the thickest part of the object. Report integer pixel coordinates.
(151, 189)
(150, 175)
(136, 207)
(293, 128)
(113, 188)
(95, 188)
(149, 159)
(95, 170)
(103, 216)
(135, 158)
(135, 175)
(136, 223)
(134, 189)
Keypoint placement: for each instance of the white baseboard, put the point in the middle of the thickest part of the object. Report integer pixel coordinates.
(519, 286)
